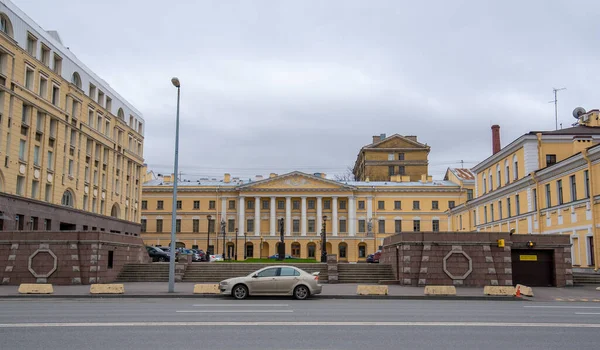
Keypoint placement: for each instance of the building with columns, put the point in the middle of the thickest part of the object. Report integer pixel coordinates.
(357, 215)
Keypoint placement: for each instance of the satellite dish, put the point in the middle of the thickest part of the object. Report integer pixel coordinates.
(578, 112)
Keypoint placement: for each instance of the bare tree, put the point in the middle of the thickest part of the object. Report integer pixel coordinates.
(348, 175)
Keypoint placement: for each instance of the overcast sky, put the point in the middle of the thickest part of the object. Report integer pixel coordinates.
(276, 86)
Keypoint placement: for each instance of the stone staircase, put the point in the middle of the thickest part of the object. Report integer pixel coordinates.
(216, 272)
(580, 278)
(153, 272)
(364, 273)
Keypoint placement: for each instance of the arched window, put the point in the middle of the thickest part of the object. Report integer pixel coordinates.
(343, 251)
(67, 199)
(121, 114)
(76, 80)
(362, 250)
(507, 172)
(114, 212)
(499, 175)
(5, 25)
(515, 167)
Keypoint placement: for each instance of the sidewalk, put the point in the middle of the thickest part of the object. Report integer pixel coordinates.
(330, 291)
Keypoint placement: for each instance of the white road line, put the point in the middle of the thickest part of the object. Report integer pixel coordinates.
(242, 305)
(295, 324)
(587, 313)
(562, 307)
(234, 311)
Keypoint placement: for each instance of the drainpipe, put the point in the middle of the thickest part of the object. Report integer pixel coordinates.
(537, 201)
(539, 149)
(595, 236)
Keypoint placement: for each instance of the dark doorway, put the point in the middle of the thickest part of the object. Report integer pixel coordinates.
(533, 267)
(230, 251)
(65, 226)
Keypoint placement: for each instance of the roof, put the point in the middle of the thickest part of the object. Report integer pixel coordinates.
(576, 130)
(404, 138)
(462, 173)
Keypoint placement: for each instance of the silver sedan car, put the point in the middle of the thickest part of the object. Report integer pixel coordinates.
(273, 280)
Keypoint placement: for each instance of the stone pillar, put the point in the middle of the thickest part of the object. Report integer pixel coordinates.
(257, 216)
(332, 269)
(288, 216)
(303, 217)
(319, 214)
(241, 216)
(273, 221)
(352, 216)
(334, 219)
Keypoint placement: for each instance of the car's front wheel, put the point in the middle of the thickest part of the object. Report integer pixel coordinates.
(162, 259)
(301, 292)
(240, 292)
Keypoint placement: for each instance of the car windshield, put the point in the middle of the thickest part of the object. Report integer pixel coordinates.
(157, 249)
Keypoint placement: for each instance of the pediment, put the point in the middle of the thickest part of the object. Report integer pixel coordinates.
(295, 180)
(398, 141)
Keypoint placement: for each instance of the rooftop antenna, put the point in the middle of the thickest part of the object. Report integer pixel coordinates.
(462, 163)
(555, 101)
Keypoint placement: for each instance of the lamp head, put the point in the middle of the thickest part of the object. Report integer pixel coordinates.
(175, 82)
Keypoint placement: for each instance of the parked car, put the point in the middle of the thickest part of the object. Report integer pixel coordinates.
(276, 256)
(273, 280)
(198, 255)
(216, 257)
(374, 258)
(157, 254)
(168, 251)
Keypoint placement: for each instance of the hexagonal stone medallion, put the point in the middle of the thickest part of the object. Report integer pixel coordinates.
(458, 265)
(42, 263)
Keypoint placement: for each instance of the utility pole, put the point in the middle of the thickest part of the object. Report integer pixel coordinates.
(555, 101)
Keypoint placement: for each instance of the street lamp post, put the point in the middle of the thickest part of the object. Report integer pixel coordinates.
(245, 242)
(324, 241)
(177, 84)
(281, 250)
(208, 218)
(236, 244)
(223, 232)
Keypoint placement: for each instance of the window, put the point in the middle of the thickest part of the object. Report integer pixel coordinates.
(361, 226)
(35, 185)
(280, 205)
(76, 79)
(57, 64)
(178, 204)
(515, 168)
(288, 271)
(381, 205)
(391, 170)
(67, 199)
(401, 170)
(196, 204)
(296, 205)
(39, 125)
(484, 184)
(573, 188)
(71, 167)
(230, 225)
(535, 206)
(101, 98)
(517, 205)
(36, 155)
(232, 204)
(29, 74)
(48, 193)
(43, 87)
(31, 44)
(381, 227)
(20, 185)
(586, 183)
(272, 272)
(195, 225)
(362, 251)
(492, 212)
(436, 225)
(417, 225)
(435, 205)
(550, 159)
(177, 225)
(342, 205)
(159, 225)
(400, 156)
(548, 196)
(144, 224)
(498, 176)
(485, 217)
(416, 205)
(390, 156)
(22, 150)
(159, 204)
(508, 208)
(92, 92)
(45, 55)
(342, 249)
(559, 191)
(55, 95)
(311, 225)
(5, 25)
(499, 210)
(397, 205)
(343, 225)
(265, 204)
(327, 204)
(108, 103)
(469, 194)
(397, 226)
(213, 204)
(250, 225)
(361, 205)
(507, 172)
(491, 183)
(474, 218)
(451, 204)
(296, 225)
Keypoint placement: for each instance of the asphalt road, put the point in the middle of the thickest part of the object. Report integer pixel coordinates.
(289, 324)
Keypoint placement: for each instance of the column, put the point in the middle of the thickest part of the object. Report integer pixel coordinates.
(370, 215)
(273, 217)
(288, 216)
(334, 219)
(352, 216)
(256, 216)
(303, 217)
(241, 216)
(319, 214)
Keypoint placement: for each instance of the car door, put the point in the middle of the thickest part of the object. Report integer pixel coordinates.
(265, 281)
(287, 280)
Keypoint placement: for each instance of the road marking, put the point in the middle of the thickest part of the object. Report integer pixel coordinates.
(242, 305)
(587, 313)
(562, 307)
(234, 311)
(295, 324)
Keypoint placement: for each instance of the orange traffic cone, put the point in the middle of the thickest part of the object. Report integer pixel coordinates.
(518, 293)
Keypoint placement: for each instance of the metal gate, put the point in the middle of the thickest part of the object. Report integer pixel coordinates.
(533, 267)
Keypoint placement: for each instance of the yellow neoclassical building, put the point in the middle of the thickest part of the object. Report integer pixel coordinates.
(71, 148)
(544, 182)
(357, 214)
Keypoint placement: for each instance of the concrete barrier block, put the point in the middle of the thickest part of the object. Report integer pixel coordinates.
(206, 289)
(499, 290)
(440, 290)
(371, 290)
(527, 291)
(107, 289)
(33, 288)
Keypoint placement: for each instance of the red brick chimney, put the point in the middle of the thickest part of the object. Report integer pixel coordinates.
(495, 139)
